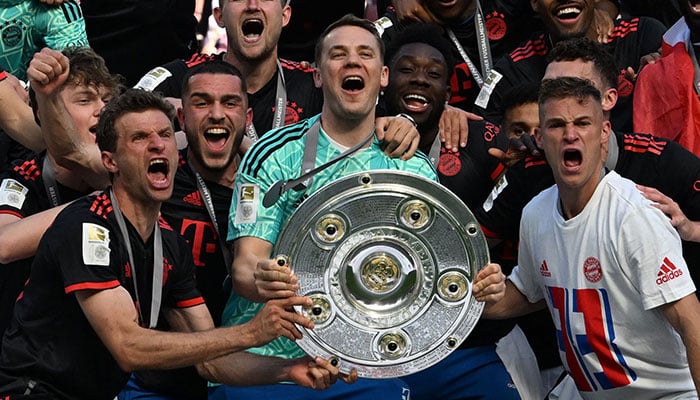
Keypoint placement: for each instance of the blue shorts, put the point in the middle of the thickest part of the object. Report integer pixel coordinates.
(389, 389)
(471, 373)
(133, 391)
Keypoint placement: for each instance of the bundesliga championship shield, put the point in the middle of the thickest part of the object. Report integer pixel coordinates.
(388, 259)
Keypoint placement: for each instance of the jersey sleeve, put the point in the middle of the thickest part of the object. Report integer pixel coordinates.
(85, 250)
(525, 276)
(17, 196)
(247, 215)
(165, 79)
(64, 26)
(653, 261)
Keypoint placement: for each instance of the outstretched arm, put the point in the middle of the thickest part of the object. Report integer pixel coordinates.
(48, 72)
(503, 299)
(112, 315)
(19, 237)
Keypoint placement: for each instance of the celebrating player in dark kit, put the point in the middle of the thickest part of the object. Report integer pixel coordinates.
(107, 270)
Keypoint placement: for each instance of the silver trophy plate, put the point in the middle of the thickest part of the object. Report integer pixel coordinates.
(388, 259)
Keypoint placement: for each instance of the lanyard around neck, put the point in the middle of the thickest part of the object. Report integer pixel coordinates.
(209, 205)
(157, 289)
(308, 161)
(280, 107)
(48, 176)
(483, 44)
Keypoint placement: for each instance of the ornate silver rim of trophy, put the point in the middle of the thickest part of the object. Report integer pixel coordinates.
(388, 259)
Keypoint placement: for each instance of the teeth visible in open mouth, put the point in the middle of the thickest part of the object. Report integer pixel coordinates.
(415, 97)
(252, 27)
(158, 165)
(568, 12)
(216, 131)
(353, 83)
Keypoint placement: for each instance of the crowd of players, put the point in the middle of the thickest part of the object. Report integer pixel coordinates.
(99, 183)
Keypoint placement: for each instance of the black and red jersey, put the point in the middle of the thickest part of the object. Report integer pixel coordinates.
(304, 99)
(28, 173)
(506, 23)
(630, 40)
(470, 171)
(187, 214)
(23, 193)
(50, 340)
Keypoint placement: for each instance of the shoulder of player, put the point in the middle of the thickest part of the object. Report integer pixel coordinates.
(543, 201)
(623, 190)
(274, 145)
(26, 170)
(295, 67)
(536, 47)
(631, 27)
(298, 80)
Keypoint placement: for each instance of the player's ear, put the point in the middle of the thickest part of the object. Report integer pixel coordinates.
(109, 162)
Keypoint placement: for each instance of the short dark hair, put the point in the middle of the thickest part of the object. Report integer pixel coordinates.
(349, 20)
(431, 34)
(522, 93)
(565, 87)
(587, 50)
(132, 100)
(212, 67)
(86, 68)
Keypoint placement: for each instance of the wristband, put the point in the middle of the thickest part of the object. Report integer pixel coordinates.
(408, 117)
(3, 75)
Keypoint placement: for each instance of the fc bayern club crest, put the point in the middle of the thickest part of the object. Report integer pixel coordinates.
(496, 27)
(592, 270)
(449, 164)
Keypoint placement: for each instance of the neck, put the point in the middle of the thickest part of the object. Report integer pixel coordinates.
(143, 214)
(67, 178)
(224, 177)
(344, 131)
(574, 200)
(257, 72)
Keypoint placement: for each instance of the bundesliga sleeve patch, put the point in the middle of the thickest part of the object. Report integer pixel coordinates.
(153, 78)
(482, 100)
(95, 245)
(247, 207)
(12, 193)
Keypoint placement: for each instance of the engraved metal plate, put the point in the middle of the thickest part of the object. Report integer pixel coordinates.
(388, 259)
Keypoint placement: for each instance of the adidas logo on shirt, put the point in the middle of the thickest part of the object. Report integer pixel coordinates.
(194, 198)
(544, 270)
(667, 272)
